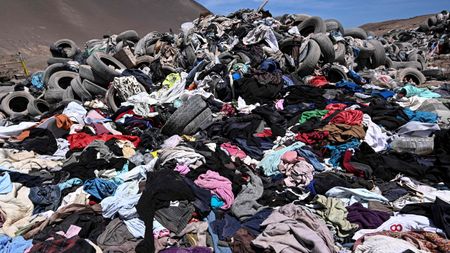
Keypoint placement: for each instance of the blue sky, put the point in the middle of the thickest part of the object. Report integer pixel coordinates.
(350, 12)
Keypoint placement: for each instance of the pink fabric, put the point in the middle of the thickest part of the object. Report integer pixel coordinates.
(297, 170)
(71, 232)
(218, 185)
(233, 150)
(182, 169)
(279, 105)
(348, 117)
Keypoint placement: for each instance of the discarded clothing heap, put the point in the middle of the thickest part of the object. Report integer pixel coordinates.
(243, 133)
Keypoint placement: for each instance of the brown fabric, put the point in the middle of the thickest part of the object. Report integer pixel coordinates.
(378, 206)
(59, 216)
(64, 122)
(115, 234)
(242, 242)
(343, 133)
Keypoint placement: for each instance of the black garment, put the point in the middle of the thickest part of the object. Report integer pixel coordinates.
(161, 187)
(87, 163)
(24, 179)
(202, 197)
(40, 140)
(327, 180)
(304, 94)
(60, 244)
(391, 190)
(254, 92)
(92, 225)
(276, 122)
(175, 217)
(442, 153)
(389, 115)
(45, 198)
(438, 212)
(387, 166)
(151, 139)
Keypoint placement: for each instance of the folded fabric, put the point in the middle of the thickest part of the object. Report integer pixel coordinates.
(343, 133)
(348, 117)
(364, 217)
(411, 90)
(312, 114)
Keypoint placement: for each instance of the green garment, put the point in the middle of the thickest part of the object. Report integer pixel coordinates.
(171, 79)
(312, 114)
(420, 92)
(333, 211)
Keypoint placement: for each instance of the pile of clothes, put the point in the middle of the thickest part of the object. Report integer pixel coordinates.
(224, 138)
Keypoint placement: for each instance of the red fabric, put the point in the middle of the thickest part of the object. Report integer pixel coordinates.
(312, 137)
(332, 108)
(348, 167)
(348, 117)
(81, 140)
(228, 109)
(318, 81)
(264, 133)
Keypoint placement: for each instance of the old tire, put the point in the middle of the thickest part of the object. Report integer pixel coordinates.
(100, 64)
(79, 90)
(130, 35)
(357, 33)
(326, 47)
(93, 88)
(69, 47)
(16, 103)
(366, 50)
(38, 107)
(55, 60)
(184, 115)
(144, 61)
(334, 25)
(336, 74)
(50, 70)
(379, 55)
(309, 58)
(86, 72)
(339, 52)
(198, 121)
(60, 80)
(411, 73)
(312, 25)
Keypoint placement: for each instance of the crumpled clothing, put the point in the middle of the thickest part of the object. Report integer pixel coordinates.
(385, 244)
(332, 108)
(355, 194)
(349, 86)
(348, 117)
(14, 245)
(45, 198)
(63, 121)
(81, 140)
(365, 217)
(233, 150)
(297, 170)
(17, 209)
(245, 204)
(218, 185)
(287, 228)
(411, 90)
(312, 114)
(318, 81)
(401, 223)
(335, 214)
(75, 112)
(100, 188)
(5, 183)
(312, 137)
(338, 151)
(271, 160)
(123, 201)
(343, 133)
(420, 116)
(25, 161)
(375, 137)
(183, 155)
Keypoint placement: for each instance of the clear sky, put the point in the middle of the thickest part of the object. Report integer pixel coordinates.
(350, 12)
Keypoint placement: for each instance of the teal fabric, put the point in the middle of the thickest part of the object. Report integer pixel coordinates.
(269, 164)
(421, 92)
(216, 202)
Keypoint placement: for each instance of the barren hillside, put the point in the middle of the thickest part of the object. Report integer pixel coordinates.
(380, 28)
(30, 26)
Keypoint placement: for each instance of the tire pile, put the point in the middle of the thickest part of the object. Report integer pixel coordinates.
(242, 133)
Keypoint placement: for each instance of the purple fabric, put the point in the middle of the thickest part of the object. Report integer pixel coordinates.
(187, 250)
(365, 217)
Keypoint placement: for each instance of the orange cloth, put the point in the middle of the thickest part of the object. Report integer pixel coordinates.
(64, 122)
